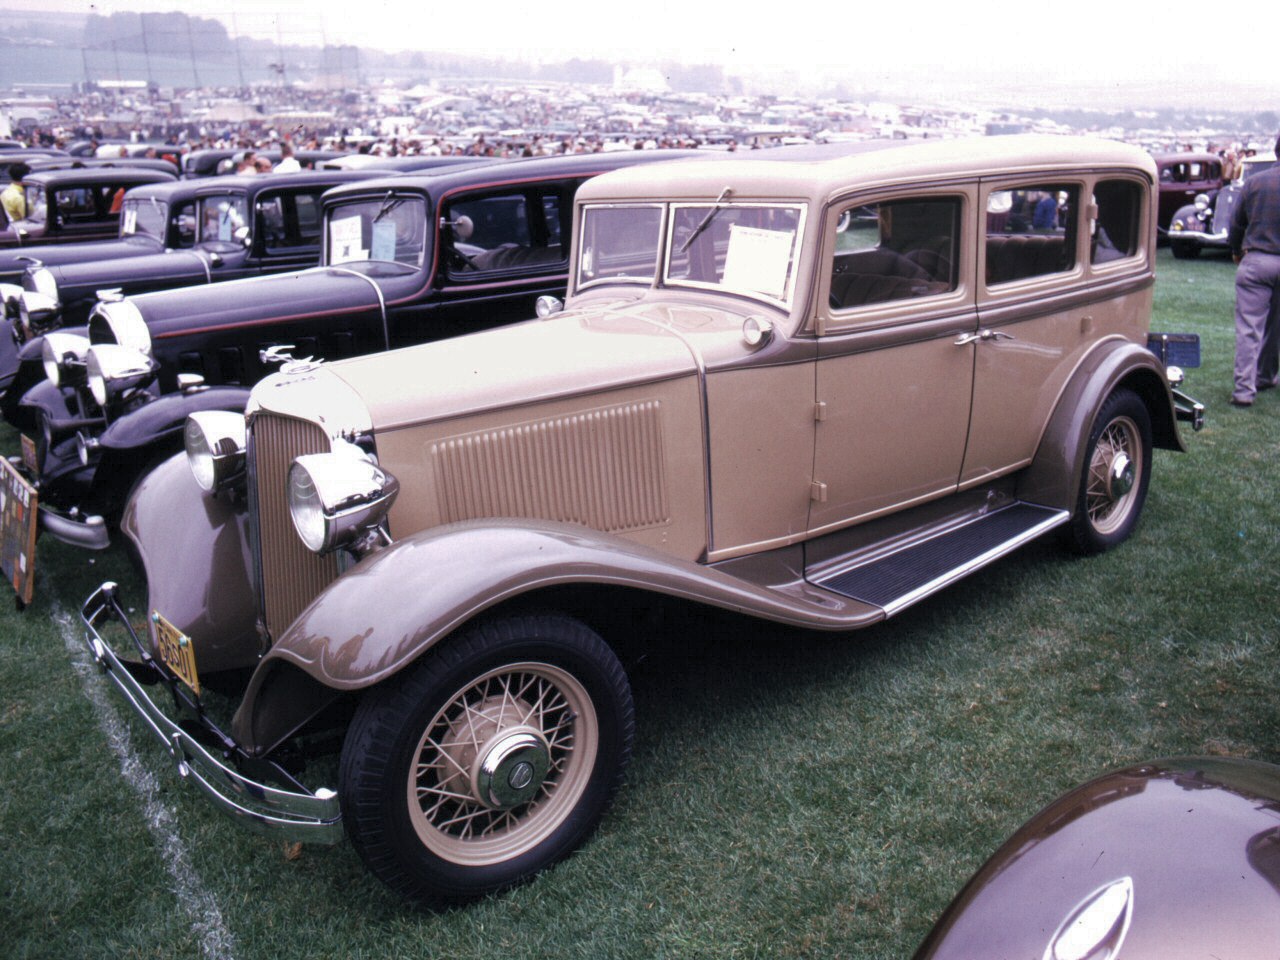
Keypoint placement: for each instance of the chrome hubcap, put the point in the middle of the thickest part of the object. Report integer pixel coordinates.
(511, 769)
(1120, 477)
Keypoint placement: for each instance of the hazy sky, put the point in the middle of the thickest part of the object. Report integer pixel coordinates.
(1051, 48)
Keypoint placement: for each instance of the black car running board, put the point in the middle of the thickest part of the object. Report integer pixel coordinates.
(896, 580)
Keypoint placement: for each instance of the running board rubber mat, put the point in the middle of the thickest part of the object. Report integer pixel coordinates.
(898, 580)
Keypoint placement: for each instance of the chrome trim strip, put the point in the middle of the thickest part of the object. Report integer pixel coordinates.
(382, 302)
(314, 817)
(995, 553)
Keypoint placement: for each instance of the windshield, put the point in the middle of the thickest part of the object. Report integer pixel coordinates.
(37, 208)
(223, 218)
(744, 248)
(389, 229)
(145, 217)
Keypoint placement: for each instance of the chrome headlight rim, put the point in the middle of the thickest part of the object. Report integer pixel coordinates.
(37, 312)
(120, 322)
(337, 499)
(215, 442)
(42, 281)
(63, 356)
(114, 372)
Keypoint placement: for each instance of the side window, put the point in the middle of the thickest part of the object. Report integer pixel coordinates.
(1031, 232)
(271, 221)
(307, 206)
(504, 231)
(1115, 231)
(185, 226)
(77, 205)
(896, 250)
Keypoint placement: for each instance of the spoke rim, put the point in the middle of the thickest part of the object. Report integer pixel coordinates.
(446, 806)
(1108, 511)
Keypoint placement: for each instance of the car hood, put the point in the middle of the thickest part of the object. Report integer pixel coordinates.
(57, 254)
(604, 348)
(318, 292)
(86, 276)
(1174, 858)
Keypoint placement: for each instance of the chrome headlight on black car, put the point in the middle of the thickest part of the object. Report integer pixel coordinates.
(114, 371)
(339, 499)
(119, 322)
(37, 312)
(215, 442)
(64, 356)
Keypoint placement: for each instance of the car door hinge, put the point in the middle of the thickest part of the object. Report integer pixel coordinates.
(818, 491)
(820, 410)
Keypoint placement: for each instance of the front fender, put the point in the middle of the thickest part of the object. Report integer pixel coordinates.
(163, 418)
(194, 551)
(387, 610)
(1053, 478)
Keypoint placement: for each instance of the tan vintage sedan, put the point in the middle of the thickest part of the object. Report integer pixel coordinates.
(815, 391)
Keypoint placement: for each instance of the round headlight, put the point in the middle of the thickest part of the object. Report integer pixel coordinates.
(336, 498)
(119, 321)
(41, 280)
(36, 312)
(1202, 201)
(215, 442)
(113, 371)
(63, 355)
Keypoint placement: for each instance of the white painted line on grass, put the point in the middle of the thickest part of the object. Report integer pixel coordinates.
(216, 941)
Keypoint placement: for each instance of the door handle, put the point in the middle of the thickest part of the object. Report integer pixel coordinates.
(983, 335)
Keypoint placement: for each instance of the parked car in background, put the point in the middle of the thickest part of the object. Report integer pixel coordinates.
(1205, 223)
(779, 388)
(405, 260)
(1182, 176)
(215, 162)
(1173, 858)
(172, 235)
(67, 206)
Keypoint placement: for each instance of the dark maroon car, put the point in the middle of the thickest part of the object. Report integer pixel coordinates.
(1182, 177)
(1166, 860)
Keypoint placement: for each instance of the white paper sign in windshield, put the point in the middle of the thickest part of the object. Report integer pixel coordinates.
(758, 260)
(344, 241)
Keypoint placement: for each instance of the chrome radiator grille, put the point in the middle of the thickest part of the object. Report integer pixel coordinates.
(289, 575)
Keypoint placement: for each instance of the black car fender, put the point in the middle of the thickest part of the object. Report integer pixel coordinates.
(27, 373)
(1053, 477)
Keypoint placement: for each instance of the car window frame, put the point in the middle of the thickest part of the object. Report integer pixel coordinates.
(1041, 284)
(830, 321)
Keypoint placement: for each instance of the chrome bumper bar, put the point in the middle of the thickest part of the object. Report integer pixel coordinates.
(1219, 239)
(291, 815)
(88, 531)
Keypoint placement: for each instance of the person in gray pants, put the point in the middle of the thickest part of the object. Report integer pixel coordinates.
(1255, 245)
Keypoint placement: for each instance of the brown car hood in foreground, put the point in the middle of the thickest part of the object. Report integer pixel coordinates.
(1171, 859)
(578, 352)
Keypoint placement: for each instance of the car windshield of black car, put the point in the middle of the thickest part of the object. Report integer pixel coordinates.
(146, 217)
(392, 231)
(223, 219)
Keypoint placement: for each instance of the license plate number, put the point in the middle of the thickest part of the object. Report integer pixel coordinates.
(176, 652)
(18, 512)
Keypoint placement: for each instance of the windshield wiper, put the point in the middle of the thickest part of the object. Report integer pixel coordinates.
(389, 203)
(706, 220)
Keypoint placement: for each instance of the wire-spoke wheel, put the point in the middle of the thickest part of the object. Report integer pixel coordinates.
(490, 759)
(1117, 469)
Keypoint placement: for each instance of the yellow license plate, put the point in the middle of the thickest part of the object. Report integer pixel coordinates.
(176, 652)
(18, 509)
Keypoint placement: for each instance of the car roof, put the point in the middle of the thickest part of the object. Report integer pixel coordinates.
(777, 173)
(122, 175)
(250, 185)
(444, 180)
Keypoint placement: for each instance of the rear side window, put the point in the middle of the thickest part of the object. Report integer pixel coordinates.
(896, 250)
(1115, 231)
(1031, 232)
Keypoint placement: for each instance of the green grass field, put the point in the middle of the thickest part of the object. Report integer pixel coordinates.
(792, 794)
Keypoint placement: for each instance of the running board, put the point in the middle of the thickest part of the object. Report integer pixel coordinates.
(897, 580)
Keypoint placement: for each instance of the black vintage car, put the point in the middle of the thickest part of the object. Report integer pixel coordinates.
(175, 235)
(215, 162)
(405, 260)
(66, 206)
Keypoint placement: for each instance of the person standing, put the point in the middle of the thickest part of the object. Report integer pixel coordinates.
(14, 196)
(1255, 246)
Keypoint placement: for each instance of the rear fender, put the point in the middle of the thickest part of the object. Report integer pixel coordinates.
(1053, 478)
(194, 550)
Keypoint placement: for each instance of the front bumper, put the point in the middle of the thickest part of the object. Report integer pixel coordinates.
(88, 531)
(287, 814)
(1200, 237)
